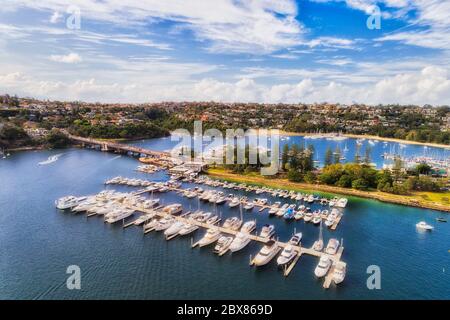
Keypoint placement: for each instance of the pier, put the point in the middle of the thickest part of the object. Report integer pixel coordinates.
(254, 237)
(118, 147)
(258, 206)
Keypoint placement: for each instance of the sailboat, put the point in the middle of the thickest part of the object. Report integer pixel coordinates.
(318, 245)
(345, 148)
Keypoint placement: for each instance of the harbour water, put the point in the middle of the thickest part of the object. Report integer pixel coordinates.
(39, 242)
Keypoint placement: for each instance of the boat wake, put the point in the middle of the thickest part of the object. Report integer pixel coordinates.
(115, 158)
(50, 159)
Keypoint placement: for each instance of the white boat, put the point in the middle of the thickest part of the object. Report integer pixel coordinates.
(249, 206)
(174, 229)
(296, 238)
(203, 216)
(267, 231)
(341, 203)
(266, 254)
(308, 216)
(330, 220)
(339, 272)
(68, 202)
(298, 215)
(187, 228)
(121, 214)
(248, 227)
(234, 203)
(144, 218)
(262, 201)
(223, 244)
(210, 236)
(240, 241)
(213, 219)
(151, 224)
(332, 246)
(333, 201)
(316, 218)
(318, 244)
(286, 255)
(281, 212)
(173, 208)
(84, 205)
(221, 200)
(233, 223)
(164, 223)
(323, 266)
(424, 226)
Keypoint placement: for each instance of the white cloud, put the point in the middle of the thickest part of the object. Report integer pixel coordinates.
(56, 17)
(256, 26)
(69, 58)
(430, 85)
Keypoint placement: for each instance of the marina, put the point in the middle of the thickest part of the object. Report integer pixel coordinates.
(332, 219)
(113, 258)
(123, 205)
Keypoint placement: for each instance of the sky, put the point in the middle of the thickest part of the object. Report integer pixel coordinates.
(282, 51)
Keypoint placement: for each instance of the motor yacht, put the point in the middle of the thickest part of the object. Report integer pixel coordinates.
(210, 236)
(424, 226)
(316, 218)
(233, 223)
(295, 239)
(263, 201)
(234, 202)
(249, 206)
(223, 244)
(341, 203)
(281, 212)
(164, 223)
(151, 224)
(221, 200)
(333, 201)
(308, 216)
(144, 218)
(121, 214)
(267, 231)
(202, 217)
(174, 229)
(323, 266)
(68, 202)
(332, 246)
(248, 226)
(286, 255)
(339, 272)
(173, 209)
(266, 254)
(213, 220)
(187, 229)
(240, 241)
(298, 215)
(289, 214)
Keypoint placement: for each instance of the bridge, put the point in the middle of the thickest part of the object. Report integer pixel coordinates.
(113, 146)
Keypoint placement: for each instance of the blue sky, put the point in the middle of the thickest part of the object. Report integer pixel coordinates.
(224, 50)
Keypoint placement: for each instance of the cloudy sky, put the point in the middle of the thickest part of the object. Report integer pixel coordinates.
(227, 50)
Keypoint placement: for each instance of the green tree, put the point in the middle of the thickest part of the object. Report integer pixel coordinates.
(328, 157)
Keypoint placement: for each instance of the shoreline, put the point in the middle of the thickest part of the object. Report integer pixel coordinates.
(370, 137)
(411, 201)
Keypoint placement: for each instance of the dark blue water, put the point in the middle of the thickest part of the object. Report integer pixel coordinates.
(39, 242)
